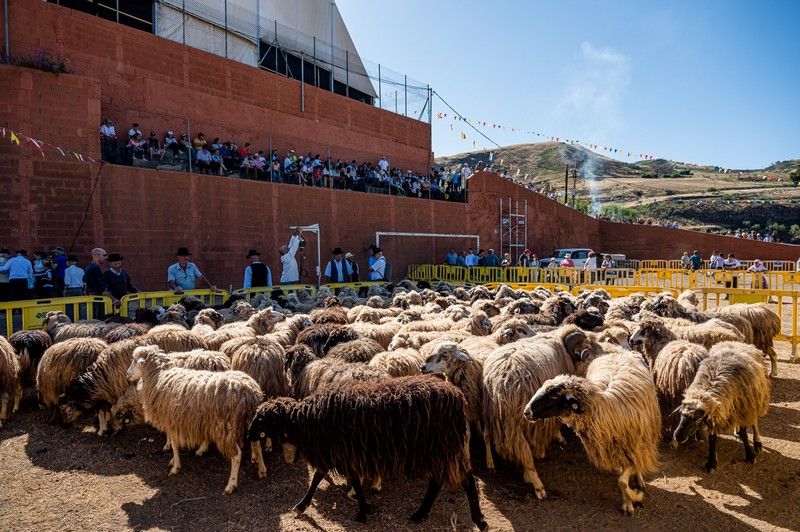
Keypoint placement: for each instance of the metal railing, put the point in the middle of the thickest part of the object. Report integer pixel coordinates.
(29, 314)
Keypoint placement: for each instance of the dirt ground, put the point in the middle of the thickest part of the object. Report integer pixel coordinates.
(57, 479)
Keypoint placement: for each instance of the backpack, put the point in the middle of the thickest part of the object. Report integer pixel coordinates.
(387, 271)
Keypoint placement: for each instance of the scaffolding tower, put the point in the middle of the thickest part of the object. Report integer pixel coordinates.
(513, 227)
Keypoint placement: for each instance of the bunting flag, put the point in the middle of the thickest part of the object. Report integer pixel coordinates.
(15, 137)
(591, 146)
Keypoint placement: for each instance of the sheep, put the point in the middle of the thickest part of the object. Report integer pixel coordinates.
(382, 333)
(361, 350)
(125, 331)
(307, 373)
(625, 308)
(688, 298)
(510, 331)
(321, 337)
(614, 411)
(730, 390)
(175, 314)
(263, 359)
(207, 321)
(100, 386)
(465, 373)
(194, 407)
(172, 338)
(332, 312)
(614, 332)
(706, 334)
(512, 374)
(554, 310)
(127, 411)
(415, 340)
(285, 332)
(60, 327)
(62, 362)
(400, 362)
(588, 319)
(395, 431)
(30, 346)
(766, 325)
(10, 379)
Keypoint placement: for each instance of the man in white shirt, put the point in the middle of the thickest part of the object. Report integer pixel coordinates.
(731, 264)
(471, 259)
(73, 278)
(377, 272)
(383, 165)
(290, 273)
(338, 270)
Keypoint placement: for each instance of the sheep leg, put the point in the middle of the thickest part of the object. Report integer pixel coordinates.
(301, 506)
(773, 361)
(3, 406)
(233, 480)
(17, 398)
(427, 503)
(268, 445)
(202, 449)
(749, 455)
(102, 422)
(471, 488)
(255, 448)
(363, 507)
(377, 485)
(487, 444)
(167, 445)
(629, 495)
(757, 446)
(531, 476)
(176, 457)
(711, 463)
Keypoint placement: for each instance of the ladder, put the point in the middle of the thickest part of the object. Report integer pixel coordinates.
(513, 228)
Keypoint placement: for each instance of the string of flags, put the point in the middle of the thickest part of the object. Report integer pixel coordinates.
(599, 148)
(20, 139)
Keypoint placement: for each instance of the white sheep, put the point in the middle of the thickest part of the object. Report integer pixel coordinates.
(194, 407)
(10, 379)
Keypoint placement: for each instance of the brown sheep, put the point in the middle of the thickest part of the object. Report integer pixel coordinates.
(10, 379)
(361, 350)
(261, 358)
(30, 346)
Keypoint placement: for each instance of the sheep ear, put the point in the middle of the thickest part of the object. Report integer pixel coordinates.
(461, 355)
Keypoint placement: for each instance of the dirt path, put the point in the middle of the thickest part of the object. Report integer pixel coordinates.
(71, 479)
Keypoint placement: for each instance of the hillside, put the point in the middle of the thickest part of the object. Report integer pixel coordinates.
(656, 188)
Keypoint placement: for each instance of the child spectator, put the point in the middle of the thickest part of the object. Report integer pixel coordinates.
(137, 145)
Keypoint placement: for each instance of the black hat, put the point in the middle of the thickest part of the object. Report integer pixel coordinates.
(337, 251)
(183, 252)
(377, 250)
(253, 252)
(22, 252)
(114, 257)
(5, 250)
(72, 258)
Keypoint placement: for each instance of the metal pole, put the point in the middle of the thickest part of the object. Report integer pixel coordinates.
(6, 44)
(405, 93)
(566, 185)
(258, 27)
(395, 102)
(183, 15)
(315, 61)
(302, 83)
(380, 93)
(270, 159)
(117, 12)
(347, 73)
(430, 111)
(189, 134)
(501, 225)
(332, 41)
(275, 45)
(226, 29)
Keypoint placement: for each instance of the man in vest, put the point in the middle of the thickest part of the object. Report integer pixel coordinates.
(338, 270)
(353, 267)
(257, 274)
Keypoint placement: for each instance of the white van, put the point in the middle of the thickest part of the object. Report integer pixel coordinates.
(578, 256)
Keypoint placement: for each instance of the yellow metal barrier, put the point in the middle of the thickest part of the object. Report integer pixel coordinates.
(483, 275)
(620, 291)
(356, 286)
(165, 298)
(420, 272)
(554, 287)
(249, 293)
(451, 274)
(29, 314)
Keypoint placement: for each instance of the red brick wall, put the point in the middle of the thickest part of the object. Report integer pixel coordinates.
(161, 84)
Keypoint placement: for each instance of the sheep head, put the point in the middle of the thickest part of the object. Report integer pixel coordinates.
(479, 324)
(265, 320)
(523, 306)
(127, 411)
(145, 354)
(560, 397)
(447, 354)
(272, 420)
(54, 318)
(210, 317)
(505, 291)
(649, 335)
(513, 330)
(399, 341)
(580, 345)
(488, 307)
(694, 413)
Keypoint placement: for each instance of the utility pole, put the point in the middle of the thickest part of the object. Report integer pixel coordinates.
(566, 185)
(574, 187)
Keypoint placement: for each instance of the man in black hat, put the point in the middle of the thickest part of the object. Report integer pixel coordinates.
(338, 270)
(118, 281)
(183, 275)
(257, 273)
(377, 272)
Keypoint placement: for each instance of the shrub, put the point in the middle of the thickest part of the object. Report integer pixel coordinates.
(669, 192)
(42, 59)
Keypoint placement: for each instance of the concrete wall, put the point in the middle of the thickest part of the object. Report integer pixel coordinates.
(161, 85)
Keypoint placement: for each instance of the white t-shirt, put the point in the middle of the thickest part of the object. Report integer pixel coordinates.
(590, 264)
(289, 272)
(383, 164)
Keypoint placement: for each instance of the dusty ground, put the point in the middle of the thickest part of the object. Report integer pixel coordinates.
(56, 479)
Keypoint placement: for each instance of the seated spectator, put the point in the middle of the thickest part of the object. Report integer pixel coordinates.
(154, 149)
(215, 144)
(137, 146)
(133, 131)
(217, 165)
(171, 143)
(245, 151)
(204, 160)
(199, 141)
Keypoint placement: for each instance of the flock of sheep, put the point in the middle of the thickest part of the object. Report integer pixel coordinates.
(393, 386)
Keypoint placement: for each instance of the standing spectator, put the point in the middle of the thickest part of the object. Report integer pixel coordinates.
(96, 281)
(685, 261)
(20, 274)
(40, 272)
(525, 259)
(471, 259)
(567, 262)
(712, 261)
(353, 267)
(199, 141)
(117, 280)
(73, 278)
(338, 270)
(289, 271)
(491, 260)
(204, 161)
(154, 149)
(731, 264)
(133, 131)
(108, 141)
(462, 259)
(4, 284)
(60, 267)
(535, 261)
(257, 274)
(695, 261)
(607, 264)
(466, 173)
(377, 272)
(183, 275)
(46, 284)
(383, 165)
(451, 259)
(506, 262)
(590, 268)
(718, 261)
(758, 268)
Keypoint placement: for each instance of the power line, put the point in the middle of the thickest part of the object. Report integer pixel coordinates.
(481, 133)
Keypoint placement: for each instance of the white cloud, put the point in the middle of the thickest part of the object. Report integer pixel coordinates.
(596, 86)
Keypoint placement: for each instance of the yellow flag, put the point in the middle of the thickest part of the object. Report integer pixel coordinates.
(14, 138)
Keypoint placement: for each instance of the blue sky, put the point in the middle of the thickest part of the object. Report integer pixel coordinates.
(706, 82)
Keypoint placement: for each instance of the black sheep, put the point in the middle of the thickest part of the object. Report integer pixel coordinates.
(380, 429)
(323, 336)
(30, 346)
